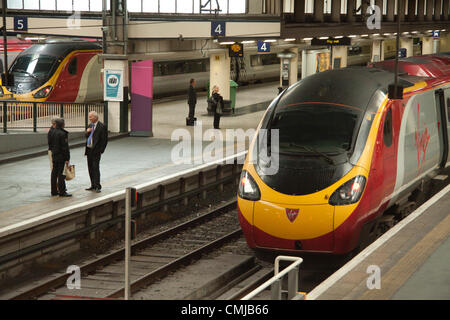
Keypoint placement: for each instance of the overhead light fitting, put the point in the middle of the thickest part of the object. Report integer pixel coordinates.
(289, 39)
(270, 40)
(226, 43)
(248, 41)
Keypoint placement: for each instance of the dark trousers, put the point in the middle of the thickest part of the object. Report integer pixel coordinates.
(93, 161)
(57, 180)
(216, 120)
(191, 110)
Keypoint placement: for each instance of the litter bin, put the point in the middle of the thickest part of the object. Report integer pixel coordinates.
(233, 89)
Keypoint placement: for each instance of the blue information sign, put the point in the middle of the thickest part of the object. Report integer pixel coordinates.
(20, 24)
(218, 28)
(436, 33)
(263, 46)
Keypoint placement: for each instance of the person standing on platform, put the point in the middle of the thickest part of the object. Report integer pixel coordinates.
(59, 143)
(192, 101)
(97, 139)
(216, 105)
(49, 134)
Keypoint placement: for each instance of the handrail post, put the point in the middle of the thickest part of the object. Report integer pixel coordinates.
(105, 114)
(292, 283)
(86, 111)
(61, 110)
(275, 290)
(34, 117)
(5, 117)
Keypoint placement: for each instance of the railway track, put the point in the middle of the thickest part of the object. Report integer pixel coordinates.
(152, 258)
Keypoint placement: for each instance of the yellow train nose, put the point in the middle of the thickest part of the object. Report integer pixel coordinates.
(293, 222)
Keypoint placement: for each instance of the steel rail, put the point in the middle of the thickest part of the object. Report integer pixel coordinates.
(119, 254)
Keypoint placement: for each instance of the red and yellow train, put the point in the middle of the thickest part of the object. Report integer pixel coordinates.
(347, 152)
(57, 70)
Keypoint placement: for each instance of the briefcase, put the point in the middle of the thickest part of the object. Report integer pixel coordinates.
(69, 172)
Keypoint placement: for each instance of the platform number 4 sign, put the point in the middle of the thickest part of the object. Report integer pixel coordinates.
(218, 28)
(20, 24)
(263, 46)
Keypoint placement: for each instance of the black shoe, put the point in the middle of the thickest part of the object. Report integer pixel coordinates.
(97, 190)
(89, 189)
(54, 194)
(65, 194)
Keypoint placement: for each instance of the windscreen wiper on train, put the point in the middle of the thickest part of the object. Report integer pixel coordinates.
(329, 159)
(24, 71)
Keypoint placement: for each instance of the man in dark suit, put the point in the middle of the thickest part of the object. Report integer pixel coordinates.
(97, 139)
(192, 101)
(59, 144)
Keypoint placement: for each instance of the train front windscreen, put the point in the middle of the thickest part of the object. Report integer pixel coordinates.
(31, 71)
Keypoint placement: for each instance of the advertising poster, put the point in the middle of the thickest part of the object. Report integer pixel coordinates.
(113, 85)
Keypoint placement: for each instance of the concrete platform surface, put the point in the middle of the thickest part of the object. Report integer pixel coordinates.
(409, 261)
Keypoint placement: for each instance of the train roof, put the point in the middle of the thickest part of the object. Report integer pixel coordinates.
(429, 66)
(61, 49)
(352, 86)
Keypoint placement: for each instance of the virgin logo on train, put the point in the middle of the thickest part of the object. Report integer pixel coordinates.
(421, 140)
(292, 214)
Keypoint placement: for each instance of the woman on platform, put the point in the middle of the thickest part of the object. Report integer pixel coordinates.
(216, 106)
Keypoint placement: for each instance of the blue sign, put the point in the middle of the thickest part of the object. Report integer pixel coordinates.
(20, 24)
(263, 46)
(218, 28)
(113, 85)
(402, 53)
(436, 34)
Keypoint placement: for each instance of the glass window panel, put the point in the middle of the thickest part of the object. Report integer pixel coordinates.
(343, 7)
(31, 4)
(237, 6)
(134, 5)
(358, 5)
(327, 7)
(81, 5)
(196, 6)
(96, 5)
(14, 4)
(223, 4)
(309, 6)
(167, 6)
(63, 5)
(384, 7)
(184, 6)
(48, 5)
(150, 6)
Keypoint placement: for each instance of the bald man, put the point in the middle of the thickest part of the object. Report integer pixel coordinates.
(97, 139)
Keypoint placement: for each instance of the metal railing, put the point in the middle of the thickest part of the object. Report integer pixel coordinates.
(31, 115)
(276, 281)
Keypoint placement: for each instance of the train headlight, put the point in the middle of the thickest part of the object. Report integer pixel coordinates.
(248, 189)
(44, 92)
(350, 192)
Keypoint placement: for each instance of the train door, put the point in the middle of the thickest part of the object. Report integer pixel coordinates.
(68, 81)
(442, 125)
(384, 168)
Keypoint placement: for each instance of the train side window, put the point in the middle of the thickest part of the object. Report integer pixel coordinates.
(387, 129)
(73, 66)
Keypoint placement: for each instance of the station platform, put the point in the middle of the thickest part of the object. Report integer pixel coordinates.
(411, 260)
(129, 161)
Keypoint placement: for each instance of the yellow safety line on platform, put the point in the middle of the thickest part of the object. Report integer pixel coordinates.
(410, 262)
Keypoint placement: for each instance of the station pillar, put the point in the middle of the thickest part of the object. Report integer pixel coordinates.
(427, 45)
(339, 55)
(118, 110)
(219, 73)
(407, 43)
(288, 67)
(377, 51)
